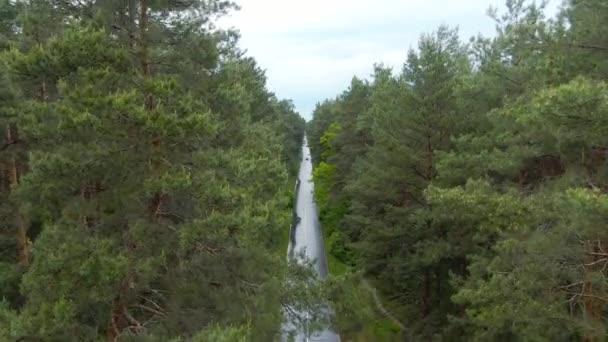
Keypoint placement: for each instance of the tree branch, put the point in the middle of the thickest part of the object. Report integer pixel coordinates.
(592, 47)
(8, 144)
(147, 308)
(597, 262)
(586, 295)
(572, 285)
(598, 254)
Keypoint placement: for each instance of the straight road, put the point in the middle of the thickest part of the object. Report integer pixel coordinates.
(308, 235)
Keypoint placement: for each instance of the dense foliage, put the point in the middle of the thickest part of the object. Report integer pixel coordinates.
(145, 172)
(471, 187)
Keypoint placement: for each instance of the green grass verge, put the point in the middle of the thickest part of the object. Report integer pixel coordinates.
(336, 267)
(380, 330)
(281, 242)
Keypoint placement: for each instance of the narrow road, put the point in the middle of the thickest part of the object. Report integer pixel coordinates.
(308, 235)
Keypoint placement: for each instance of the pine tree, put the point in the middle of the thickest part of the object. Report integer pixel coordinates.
(159, 190)
(472, 205)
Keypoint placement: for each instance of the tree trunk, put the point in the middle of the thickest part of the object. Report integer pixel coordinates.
(23, 243)
(429, 158)
(144, 57)
(4, 186)
(156, 202)
(129, 23)
(44, 91)
(119, 320)
(594, 298)
(426, 294)
(143, 44)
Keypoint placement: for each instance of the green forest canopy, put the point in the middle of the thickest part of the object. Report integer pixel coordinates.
(471, 186)
(144, 175)
(146, 178)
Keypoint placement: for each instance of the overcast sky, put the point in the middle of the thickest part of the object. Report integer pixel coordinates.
(311, 49)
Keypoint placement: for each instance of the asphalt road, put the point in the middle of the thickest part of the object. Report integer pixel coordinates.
(308, 235)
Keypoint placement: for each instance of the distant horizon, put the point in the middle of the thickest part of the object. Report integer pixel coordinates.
(310, 51)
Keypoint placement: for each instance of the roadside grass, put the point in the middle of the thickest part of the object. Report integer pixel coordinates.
(281, 244)
(382, 329)
(336, 267)
(379, 330)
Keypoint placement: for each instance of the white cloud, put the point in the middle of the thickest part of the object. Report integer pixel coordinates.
(311, 49)
(263, 16)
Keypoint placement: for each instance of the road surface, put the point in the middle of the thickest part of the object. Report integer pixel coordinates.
(308, 235)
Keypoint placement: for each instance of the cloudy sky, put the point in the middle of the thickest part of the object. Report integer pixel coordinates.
(311, 49)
